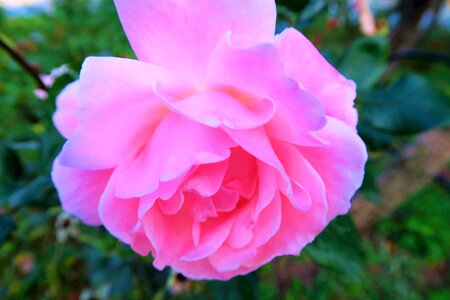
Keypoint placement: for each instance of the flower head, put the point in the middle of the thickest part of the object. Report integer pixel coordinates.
(222, 147)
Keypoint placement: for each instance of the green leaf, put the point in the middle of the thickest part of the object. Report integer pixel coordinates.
(365, 61)
(239, 288)
(10, 165)
(6, 226)
(339, 248)
(33, 192)
(409, 106)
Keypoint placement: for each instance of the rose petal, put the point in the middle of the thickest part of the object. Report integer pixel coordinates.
(304, 63)
(340, 165)
(259, 70)
(80, 191)
(117, 111)
(176, 145)
(216, 108)
(65, 118)
(180, 35)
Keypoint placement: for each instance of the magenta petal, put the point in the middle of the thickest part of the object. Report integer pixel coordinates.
(65, 117)
(304, 63)
(181, 35)
(176, 145)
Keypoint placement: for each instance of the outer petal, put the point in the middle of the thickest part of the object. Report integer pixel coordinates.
(340, 165)
(306, 65)
(259, 70)
(117, 111)
(176, 145)
(65, 117)
(181, 34)
(80, 190)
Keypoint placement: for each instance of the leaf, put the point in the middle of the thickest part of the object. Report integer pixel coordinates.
(10, 165)
(409, 106)
(365, 61)
(339, 248)
(239, 288)
(6, 226)
(33, 192)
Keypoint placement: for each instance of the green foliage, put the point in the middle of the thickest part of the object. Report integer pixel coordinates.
(46, 254)
(409, 106)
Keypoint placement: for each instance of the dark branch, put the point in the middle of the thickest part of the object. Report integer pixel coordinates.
(23, 63)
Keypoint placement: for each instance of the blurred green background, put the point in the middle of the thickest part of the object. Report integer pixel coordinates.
(396, 246)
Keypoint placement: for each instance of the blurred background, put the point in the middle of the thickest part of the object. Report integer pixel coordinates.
(395, 244)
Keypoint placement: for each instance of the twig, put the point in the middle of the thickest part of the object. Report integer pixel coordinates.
(16, 56)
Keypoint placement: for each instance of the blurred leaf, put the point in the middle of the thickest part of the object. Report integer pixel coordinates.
(296, 5)
(239, 288)
(33, 192)
(339, 248)
(409, 106)
(10, 165)
(6, 226)
(365, 61)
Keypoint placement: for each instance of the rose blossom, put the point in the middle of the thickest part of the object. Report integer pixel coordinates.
(221, 148)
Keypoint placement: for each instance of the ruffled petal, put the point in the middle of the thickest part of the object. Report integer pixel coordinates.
(340, 165)
(80, 191)
(304, 63)
(181, 35)
(217, 108)
(117, 110)
(65, 117)
(176, 145)
(259, 71)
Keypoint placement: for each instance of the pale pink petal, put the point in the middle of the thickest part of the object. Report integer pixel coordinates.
(80, 190)
(65, 117)
(117, 110)
(181, 35)
(176, 145)
(217, 108)
(304, 63)
(340, 165)
(259, 70)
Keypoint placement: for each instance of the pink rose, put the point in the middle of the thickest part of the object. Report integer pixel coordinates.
(221, 148)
